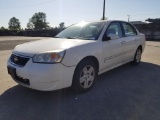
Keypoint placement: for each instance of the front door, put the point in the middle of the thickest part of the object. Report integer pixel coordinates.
(113, 50)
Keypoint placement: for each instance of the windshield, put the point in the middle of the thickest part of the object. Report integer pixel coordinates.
(83, 30)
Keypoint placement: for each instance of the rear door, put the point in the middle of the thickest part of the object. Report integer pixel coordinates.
(131, 40)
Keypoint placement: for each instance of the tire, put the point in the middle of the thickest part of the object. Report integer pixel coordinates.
(137, 57)
(84, 76)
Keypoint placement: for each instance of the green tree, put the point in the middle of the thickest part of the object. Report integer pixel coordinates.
(30, 25)
(62, 25)
(2, 28)
(14, 24)
(157, 20)
(38, 21)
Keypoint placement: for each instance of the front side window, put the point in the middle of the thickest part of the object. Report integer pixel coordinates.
(129, 30)
(84, 30)
(114, 28)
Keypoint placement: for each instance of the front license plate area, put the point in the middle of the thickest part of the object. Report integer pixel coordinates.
(12, 72)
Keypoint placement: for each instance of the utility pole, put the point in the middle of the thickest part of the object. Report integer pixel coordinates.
(104, 9)
(128, 18)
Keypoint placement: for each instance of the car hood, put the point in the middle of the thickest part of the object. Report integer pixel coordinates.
(52, 44)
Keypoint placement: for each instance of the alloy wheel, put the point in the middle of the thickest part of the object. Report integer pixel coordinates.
(87, 76)
(138, 55)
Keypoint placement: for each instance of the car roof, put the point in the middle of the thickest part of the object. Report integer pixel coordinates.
(107, 21)
(102, 21)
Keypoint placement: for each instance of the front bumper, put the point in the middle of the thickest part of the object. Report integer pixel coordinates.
(44, 77)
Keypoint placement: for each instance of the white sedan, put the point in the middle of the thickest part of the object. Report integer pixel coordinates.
(76, 55)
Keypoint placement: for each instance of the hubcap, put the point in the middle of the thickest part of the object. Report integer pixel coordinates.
(87, 76)
(138, 56)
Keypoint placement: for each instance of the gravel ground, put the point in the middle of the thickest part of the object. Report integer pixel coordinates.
(125, 93)
(8, 43)
(20, 38)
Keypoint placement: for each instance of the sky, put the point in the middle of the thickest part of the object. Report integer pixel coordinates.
(74, 11)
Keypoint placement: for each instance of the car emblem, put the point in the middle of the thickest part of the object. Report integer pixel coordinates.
(16, 59)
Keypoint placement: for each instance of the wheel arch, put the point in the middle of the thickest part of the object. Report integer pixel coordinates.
(141, 48)
(93, 58)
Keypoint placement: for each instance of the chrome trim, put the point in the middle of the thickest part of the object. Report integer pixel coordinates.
(19, 56)
(15, 64)
(114, 56)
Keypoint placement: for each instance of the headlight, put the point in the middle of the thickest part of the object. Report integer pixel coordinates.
(49, 57)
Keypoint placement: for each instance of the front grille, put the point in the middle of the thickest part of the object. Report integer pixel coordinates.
(19, 60)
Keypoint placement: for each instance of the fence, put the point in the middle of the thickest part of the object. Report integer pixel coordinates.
(33, 33)
(152, 32)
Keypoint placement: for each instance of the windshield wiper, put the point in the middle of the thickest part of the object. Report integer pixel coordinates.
(70, 37)
(56, 37)
(82, 38)
(65, 37)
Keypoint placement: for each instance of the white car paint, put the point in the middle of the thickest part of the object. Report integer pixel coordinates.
(48, 77)
(52, 44)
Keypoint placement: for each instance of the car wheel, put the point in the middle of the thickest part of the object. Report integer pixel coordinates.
(84, 76)
(137, 57)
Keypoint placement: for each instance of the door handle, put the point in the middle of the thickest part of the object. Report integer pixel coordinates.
(123, 42)
(136, 39)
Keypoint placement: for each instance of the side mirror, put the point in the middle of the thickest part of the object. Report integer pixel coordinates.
(113, 36)
(106, 38)
(110, 37)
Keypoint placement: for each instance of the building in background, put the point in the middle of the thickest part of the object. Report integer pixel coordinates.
(151, 28)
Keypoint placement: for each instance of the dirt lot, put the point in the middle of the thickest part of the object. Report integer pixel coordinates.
(125, 93)
(8, 43)
(20, 38)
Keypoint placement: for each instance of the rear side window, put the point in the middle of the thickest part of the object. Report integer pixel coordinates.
(129, 30)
